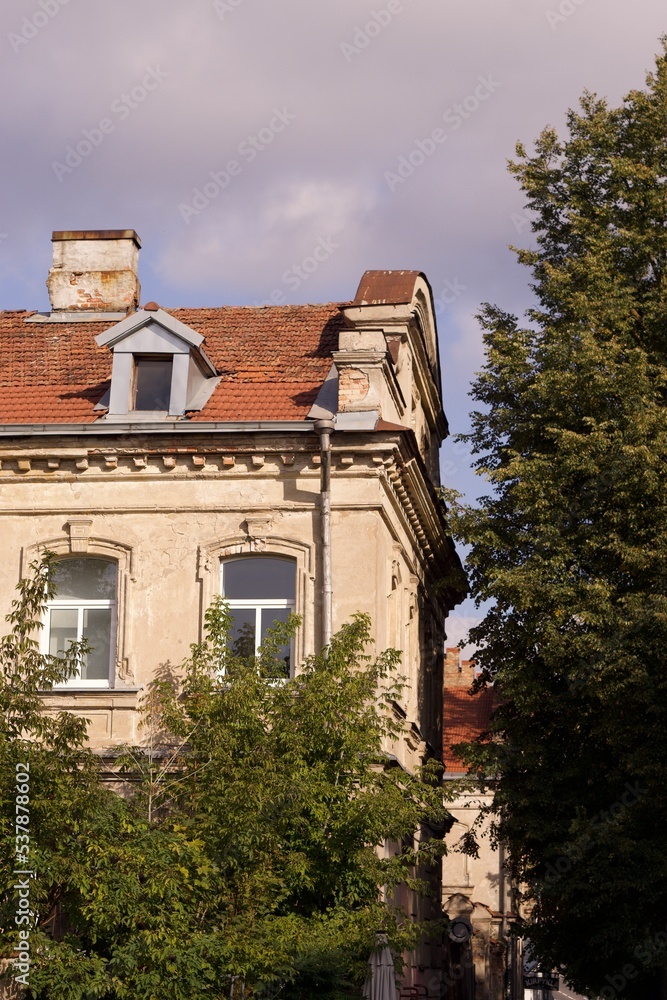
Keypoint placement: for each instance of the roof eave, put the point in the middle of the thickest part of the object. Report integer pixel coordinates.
(100, 427)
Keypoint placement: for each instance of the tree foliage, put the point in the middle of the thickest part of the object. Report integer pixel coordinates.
(242, 850)
(570, 546)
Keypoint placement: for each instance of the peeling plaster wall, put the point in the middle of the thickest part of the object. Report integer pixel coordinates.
(170, 517)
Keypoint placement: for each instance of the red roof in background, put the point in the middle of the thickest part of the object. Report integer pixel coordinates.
(465, 718)
(272, 363)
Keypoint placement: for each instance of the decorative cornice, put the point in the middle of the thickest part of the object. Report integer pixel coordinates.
(390, 456)
(424, 522)
(291, 457)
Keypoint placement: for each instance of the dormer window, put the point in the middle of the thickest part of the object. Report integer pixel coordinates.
(151, 389)
(159, 371)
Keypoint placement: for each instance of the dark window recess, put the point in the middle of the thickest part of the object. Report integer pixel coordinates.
(86, 579)
(152, 383)
(258, 577)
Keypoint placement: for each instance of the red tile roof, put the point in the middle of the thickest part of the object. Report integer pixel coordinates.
(272, 360)
(466, 717)
(272, 363)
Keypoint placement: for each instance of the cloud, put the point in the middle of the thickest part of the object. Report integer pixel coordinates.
(457, 626)
(248, 245)
(323, 175)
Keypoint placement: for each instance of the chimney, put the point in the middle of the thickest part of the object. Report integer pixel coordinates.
(94, 271)
(457, 672)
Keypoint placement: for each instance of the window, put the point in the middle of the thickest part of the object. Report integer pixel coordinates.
(260, 591)
(152, 382)
(84, 608)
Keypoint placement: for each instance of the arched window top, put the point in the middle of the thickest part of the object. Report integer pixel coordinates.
(259, 578)
(86, 578)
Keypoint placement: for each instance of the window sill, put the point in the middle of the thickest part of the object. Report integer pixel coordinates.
(99, 691)
(141, 417)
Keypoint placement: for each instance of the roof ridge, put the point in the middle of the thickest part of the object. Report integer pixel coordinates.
(267, 306)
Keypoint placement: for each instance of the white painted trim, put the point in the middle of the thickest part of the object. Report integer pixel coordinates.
(142, 318)
(72, 604)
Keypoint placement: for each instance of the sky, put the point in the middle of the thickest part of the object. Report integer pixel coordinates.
(237, 136)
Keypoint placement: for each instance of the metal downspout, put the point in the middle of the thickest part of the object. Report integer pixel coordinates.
(324, 429)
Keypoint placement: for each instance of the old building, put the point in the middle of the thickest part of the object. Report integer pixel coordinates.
(284, 456)
(485, 962)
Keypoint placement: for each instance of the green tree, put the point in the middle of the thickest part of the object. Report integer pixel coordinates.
(63, 800)
(243, 849)
(570, 547)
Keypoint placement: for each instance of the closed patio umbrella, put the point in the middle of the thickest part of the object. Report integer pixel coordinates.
(380, 980)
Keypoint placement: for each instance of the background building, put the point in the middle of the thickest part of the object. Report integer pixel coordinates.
(485, 964)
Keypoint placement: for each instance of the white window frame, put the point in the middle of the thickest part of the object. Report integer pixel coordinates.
(245, 604)
(80, 605)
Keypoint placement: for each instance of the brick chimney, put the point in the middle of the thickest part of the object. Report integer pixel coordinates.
(95, 271)
(458, 672)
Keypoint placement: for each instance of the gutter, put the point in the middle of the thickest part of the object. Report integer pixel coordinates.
(324, 429)
(351, 422)
(100, 428)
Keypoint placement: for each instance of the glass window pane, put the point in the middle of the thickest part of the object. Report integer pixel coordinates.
(269, 617)
(259, 578)
(63, 629)
(152, 383)
(87, 579)
(243, 632)
(97, 630)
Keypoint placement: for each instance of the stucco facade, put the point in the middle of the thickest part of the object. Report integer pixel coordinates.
(168, 526)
